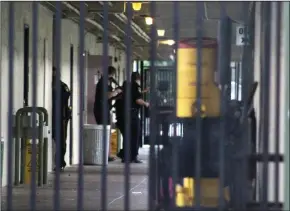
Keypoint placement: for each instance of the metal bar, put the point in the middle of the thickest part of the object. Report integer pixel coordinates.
(80, 203)
(40, 149)
(199, 44)
(94, 23)
(1, 90)
(224, 68)
(128, 121)
(34, 102)
(71, 104)
(11, 33)
(277, 101)
(57, 109)
(153, 129)
(265, 84)
(45, 158)
(105, 108)
(286, 110)
(176, 28)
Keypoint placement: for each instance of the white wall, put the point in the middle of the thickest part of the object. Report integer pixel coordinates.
(23, 16)
(70, 35)
(273, 104)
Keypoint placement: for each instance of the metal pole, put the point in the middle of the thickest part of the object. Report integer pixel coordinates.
(80, 196)
(40, 150)
(34, 104)
(2, 150)
(10, 87)
(285, 26)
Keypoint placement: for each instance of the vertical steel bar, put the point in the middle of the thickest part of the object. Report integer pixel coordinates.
(10, 102)
(277, 100)
(265, 84)
(199, 44)
(223, 67)
(34, 101)
(225, 70)
(105, 108)
(245, 70)
(57, 109)
(71, 104)
(80, 205)
(153, 128)
(1, 90)
(247, 79)
(176, 28)
(286, 111)
(128, 128)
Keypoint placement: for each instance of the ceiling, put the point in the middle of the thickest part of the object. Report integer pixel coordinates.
(163, 20)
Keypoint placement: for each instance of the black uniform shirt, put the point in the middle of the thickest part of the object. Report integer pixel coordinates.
(64, 99)
(65, 112)
(99, 95)
(135, 94)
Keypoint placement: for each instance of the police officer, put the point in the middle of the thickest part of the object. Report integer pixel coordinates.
(109, 97)
(65, 115)
(136, 102)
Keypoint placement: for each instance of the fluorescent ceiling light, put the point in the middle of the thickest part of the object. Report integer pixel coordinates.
(170, 42)
(148, 21)
(161, 32)
(136, 6)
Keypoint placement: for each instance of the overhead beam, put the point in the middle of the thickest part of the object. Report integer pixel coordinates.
(136, 29)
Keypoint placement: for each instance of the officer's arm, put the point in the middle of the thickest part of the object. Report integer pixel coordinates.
(114, 93)
(138, 97)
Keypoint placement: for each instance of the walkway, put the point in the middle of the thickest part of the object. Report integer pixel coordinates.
(92, 189)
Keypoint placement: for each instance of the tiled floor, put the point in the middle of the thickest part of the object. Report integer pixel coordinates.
(92, 189)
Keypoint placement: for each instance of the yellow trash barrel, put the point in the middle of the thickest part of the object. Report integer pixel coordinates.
(187, 78)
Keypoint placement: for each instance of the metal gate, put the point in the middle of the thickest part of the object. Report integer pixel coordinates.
(208, 156)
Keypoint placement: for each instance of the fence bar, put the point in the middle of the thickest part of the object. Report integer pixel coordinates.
(277, 100)
(199, 44)
(105, 109)
(285, 21)
(80, 203)
(11, 34)
(1, 92)
(34, 101)
(265, 84)
(176, 29)
(127, 110)
(57, 84)
(225, 70)
(153, 112)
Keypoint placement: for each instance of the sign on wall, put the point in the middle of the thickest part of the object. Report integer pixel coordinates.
(241, 37)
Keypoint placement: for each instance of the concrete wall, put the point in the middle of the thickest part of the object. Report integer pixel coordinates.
(273, 104)
(23, 15)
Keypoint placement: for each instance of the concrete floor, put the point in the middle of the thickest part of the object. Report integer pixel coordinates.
(91, 191)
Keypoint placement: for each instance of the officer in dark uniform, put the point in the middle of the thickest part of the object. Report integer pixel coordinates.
(136, 103)
(65, 115)
(99, 99)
